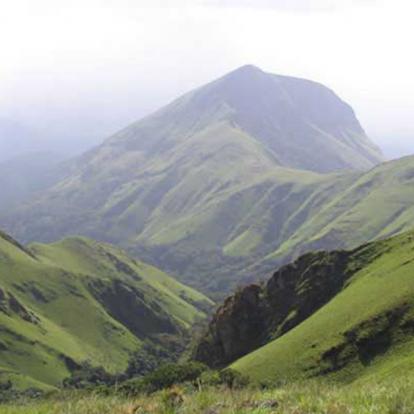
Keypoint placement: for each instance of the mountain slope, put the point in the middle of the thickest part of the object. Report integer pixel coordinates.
(299, 123)
(79, 300)
(377, 204)
(362, 327)
(220, 174)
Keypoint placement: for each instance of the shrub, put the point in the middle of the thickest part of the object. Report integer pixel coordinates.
(233, 379)
(164, 377)
(172, 398)
(132, 387)
(210, 378)
(148, 358)
(88, 376)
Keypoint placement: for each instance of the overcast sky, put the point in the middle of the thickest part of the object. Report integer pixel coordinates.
(89, 67)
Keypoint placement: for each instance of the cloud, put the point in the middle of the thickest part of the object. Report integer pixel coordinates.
(288, 5)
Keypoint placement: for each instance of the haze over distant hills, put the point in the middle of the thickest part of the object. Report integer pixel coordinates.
(22, 176)
(15, 139)
(396, 148)
(231, 174)
(18, 140)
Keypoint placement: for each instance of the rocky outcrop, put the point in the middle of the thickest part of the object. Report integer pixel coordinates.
(10, 240)
(235, 327)
(257, 314)
(10, 305)
(129, 306)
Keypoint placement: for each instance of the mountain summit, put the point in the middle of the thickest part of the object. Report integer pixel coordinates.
(303, 123)
(300, 123)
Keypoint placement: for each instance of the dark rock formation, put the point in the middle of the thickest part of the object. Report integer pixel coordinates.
(235, 327)
(126, 304)
(10, 305)
(257, 314)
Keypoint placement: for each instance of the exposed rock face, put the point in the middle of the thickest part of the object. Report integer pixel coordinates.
(235, 328)
(129, 306)
(16, 244)
(10, 305)
(258, 314)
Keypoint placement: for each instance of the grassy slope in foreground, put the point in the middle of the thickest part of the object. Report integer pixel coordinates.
(58, 305)
(365, 330)
(388, 397)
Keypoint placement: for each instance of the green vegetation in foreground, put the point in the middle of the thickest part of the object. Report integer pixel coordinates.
(79, 301)
(392, 397)
(365, 331)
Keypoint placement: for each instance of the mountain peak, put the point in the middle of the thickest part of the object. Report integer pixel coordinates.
(248, 69)
(245, 73)
(301, 124)
(304, 124)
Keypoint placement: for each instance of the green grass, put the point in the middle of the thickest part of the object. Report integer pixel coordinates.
(53, 284)
(85, 256)
(376, 205)
(375, 308)
(311, 398)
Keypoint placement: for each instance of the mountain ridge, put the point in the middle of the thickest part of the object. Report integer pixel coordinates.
(238, 94)
(188, 182)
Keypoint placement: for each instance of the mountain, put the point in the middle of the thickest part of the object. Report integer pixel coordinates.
(344, 315)
(220, 174)
(79, 300)
(377, 204)
(296, 123)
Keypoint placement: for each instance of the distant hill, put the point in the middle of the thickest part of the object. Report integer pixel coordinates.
(345, 315)
(79, 301)
(377, 204)
(21, 177)
(228, 171)
(18, 140)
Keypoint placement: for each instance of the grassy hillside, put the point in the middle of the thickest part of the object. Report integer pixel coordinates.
(377, 204)
(78, 300)
(366, 330)
(237, 225)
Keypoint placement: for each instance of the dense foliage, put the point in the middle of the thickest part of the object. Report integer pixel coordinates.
(164, 377)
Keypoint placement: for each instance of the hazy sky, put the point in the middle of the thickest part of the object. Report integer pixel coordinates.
(86, 68)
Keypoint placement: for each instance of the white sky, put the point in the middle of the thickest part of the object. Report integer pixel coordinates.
(89, 67)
